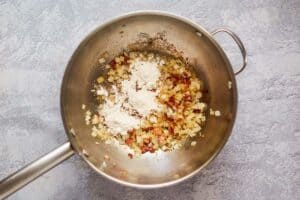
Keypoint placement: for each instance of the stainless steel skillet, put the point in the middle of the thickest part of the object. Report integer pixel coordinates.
(150, 170)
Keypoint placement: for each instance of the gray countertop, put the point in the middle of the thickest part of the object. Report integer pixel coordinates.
(261, 159)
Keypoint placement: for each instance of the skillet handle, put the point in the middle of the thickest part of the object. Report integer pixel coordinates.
(22, 177)
(238, 42)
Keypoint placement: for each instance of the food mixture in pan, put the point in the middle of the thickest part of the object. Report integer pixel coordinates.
(147, 101)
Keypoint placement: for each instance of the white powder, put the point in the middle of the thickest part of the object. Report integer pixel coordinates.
(117, 120)
(144, 76)
(136, 92)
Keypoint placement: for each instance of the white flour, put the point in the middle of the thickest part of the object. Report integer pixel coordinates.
(144, 76)
(137, 93)
(117, 120)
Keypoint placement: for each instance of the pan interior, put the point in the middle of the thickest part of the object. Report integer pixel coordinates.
(210, 64)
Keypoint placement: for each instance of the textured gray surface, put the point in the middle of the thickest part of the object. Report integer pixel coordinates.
(261, 159)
